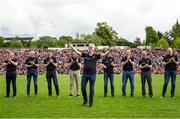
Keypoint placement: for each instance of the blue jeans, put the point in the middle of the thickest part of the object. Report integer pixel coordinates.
(125, 76)
(32, 73)
(167, 76)
(85, 78)
(52, 75)
(111, 78)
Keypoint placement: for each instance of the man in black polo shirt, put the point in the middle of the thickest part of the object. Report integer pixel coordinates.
(32, 65)
(170, 62)
(145, 67)
(10, 65)
(74, 72)
(51, 63)
(128, 64)
(89, 71)
(108, 66)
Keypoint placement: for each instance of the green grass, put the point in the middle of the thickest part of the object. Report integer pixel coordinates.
(71, 107)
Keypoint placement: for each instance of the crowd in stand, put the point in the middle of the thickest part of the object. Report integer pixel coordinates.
(156, 55)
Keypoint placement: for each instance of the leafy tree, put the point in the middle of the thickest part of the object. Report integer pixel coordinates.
(93, 38)
(16, 43)
(1, 41)
(162, 43)
(151, 35)
(177, 43)
(64, 40)
(137, 42)
(107, 33)
(175, 32)
(46, 42)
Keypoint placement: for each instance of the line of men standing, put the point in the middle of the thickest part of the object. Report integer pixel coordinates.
(170, 62)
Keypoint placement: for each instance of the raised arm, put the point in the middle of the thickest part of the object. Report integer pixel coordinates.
(107, 52)
(75, 50)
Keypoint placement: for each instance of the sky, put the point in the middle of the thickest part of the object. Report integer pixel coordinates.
(129, 18)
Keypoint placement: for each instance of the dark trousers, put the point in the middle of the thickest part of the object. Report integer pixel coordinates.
(146, 75)
(51, 75)
(111, 78)
(125, 76)
(11, 77)
(85, 78)
(167, 76)
(32, 73)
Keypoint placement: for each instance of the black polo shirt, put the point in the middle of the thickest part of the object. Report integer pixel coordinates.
(29, 61)
(143, 62)
(107, 61)
(171, 66)
(90, 63)
(10, 67)
(50, 67)
(128, 66)
(74, 63)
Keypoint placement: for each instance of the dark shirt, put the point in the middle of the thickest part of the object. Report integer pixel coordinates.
(143, 62)
(29, 61)
(171, 66)
(50, 66)
(107, 61)
(74, 64)
(90, 63)
(10, 67)
(128, 66)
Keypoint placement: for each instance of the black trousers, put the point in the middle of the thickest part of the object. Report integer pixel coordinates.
(11, 77)
(146, 75)
(51, 75)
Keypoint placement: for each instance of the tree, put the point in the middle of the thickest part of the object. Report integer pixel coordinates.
(1, 41)
(16, 43)
(137, 42)
(175, 32)
(93, 38)
(162, 43)
(151, 35)
(177, 43)
(64, 40)
(107, 33)
(46, 42)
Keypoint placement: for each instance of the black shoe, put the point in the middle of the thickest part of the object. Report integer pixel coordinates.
(143, 96)
(123, 95)
(6, 96)
(78, 95)
(90, 105)
(70, 94)
(150, 96)
(132, 96)
(85, 102)
(105, 95)
(50, 95)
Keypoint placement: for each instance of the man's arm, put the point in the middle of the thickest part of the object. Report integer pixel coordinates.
(75, 50)
(107, 52)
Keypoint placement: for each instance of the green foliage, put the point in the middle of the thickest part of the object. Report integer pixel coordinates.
(175, 32)
(137, 42)
(46, 42)
(1, 41)
(151, 35)
(177, 43)
(163, 43)
(107, 33)
(94, 39)
(16, 43)
(64, 40)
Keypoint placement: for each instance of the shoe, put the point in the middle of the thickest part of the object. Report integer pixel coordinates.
(70, 94)
(123, 95)
(49, 95)
(85, 102)
(36, 95)
(162, 97)
(151, 96)
(173, 97)
(57, 96)
(90, 105)
(132, 96)
(105, 95)
(143, 96)
(78, 95)
(6, 96)
(14, 97)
